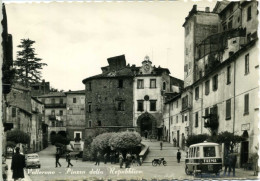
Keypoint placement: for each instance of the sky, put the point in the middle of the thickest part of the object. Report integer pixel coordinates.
(75, 39)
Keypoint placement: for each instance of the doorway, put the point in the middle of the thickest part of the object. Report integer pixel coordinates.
(146, 126)
(178, 138)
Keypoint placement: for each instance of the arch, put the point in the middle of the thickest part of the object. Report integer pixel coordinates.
(245, 134)
(144, 121)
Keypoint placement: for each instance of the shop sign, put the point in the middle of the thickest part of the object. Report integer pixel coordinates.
(245, 127)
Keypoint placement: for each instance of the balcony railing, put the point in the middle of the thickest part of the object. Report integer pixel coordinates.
(55, 105)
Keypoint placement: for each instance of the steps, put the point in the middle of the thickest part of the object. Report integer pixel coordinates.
(168, 152)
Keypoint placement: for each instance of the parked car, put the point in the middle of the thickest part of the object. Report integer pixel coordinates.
(32, 160)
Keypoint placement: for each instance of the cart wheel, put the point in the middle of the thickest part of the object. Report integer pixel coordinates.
(154, 163)
(164, 163)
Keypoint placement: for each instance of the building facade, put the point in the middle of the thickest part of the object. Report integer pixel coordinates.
(55, 112)
(225, 87)
(75, 114)
(40, 88)
(37, 120)
(151, 84)
(109, 98)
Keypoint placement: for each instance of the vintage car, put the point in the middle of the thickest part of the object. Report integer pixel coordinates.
(203, 158)
(32, 160)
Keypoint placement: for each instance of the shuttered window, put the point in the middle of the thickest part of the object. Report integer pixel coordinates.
(197, 120)
(228, 109)
(246, 104)
(215, 83)
(207, 87)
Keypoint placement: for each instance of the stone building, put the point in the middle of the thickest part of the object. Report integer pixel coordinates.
(36, 130)
(76, 117)
(151, 84)
(109, 97)
(40, 88)
(55, 112)
(225, 77)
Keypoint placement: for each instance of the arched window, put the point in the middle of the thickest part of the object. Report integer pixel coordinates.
(164, 86)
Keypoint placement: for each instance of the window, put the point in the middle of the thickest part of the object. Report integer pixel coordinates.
(120, 105)
(61, 112)
(196, 120)
(230, 53)
(13, 112)
(215, 83)
(53, 112)
(197, 91)
(152, 105)
(89, 108)
(152, 83)
(120, 83)
(164, 86)
(89, 86)
(171, 120)
(247, 64)
(61, 101)
(176, 119)
(206, 111)
(177, 104)
(184, 102)
(248, 37)
(246, 104)
(182, 118)
(224, 26)
(140, 105)
(186, 118)
(74, 100)
(230, 24)
(43, 100)
(209, 151)
(89, 123)
(228, 75)
(207, 87)
(249, 15)
(140, 84)
(53, 101)
(99, 123)
(197, 152)
(228, 109)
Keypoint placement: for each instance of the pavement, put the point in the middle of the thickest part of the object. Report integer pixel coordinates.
(88, 170)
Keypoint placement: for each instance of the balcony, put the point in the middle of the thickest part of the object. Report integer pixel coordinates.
(55, 105)
(211, 121)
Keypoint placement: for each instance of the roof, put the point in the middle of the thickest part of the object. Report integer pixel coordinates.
(75, 92)
(35, 99)
(124, 72)
(205, 143)
(54, 94)
(173, 99)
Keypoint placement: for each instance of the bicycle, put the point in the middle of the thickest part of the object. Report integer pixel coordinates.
(156, 162)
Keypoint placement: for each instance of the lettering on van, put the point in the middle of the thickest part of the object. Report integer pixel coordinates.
(210, 160)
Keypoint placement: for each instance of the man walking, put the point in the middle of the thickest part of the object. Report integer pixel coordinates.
(232, 165)
(226, 163)
(105, 158)
(161, 144)
(97, 158)
(57, 159)
(121, 160)
(68, 158)
(178, 156)
(18, 164)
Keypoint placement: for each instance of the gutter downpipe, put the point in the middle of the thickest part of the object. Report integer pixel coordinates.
(234, 113)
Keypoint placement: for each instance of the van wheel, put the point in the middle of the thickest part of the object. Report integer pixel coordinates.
(187, 171)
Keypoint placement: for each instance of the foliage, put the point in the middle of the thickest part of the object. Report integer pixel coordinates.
(10, 144)
(101, 142)
(229, 139)
(18, 136)
(193, 139)
(125, 140)
(59, 139)
(27, 64)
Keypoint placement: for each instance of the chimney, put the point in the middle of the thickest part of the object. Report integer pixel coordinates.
(194, 7)
(207, 10)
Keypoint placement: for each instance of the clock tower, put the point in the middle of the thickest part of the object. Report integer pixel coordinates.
(146, 66)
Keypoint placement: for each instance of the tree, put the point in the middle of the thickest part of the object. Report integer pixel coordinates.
(27, 64)
(193, 139)
(59, 140)
(101, 142)
(17, 136)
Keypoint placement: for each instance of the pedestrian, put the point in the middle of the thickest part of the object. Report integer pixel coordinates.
(18, 164)
(121, 160)
(57, 159)
(128, 160)
(232, 165)
(174, 142)
(97, 158)
(105, 158)
(4, 168)
(161, 144)
(140, 161)
(145, 134)
(226, 163)
(178, 156)
(111, 158)
(68, 158)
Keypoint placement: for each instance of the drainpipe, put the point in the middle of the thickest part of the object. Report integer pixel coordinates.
(170, 123)
(234, 113)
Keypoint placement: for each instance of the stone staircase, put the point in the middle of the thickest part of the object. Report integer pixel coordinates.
(168, 152)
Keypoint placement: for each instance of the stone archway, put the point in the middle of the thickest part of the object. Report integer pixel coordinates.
(146, 123)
